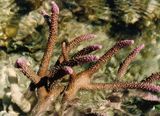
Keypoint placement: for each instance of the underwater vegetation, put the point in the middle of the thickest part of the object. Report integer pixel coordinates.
(22, 25)
(128, 18)
(24, 33)
(49, 83)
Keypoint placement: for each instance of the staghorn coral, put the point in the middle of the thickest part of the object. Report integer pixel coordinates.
(47, 82)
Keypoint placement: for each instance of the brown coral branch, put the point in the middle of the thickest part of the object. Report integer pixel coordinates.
(73, 62)
(87, 50)
(43, 104)
(42, 92)
(51, 41)
(103, 59)
(24, 67)
(83, 79)
(152, 78)
(124, 65)
(131, 85)
(64, 51)
(83, 82)
(74, 43)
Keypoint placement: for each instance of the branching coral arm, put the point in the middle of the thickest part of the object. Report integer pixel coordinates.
(131, 85)
(49, 50)
(82, 82)
(51, 41)
(73, 62)
(108, 55)
(64, 51)
(87, 50)
(43, 104)
(83, 78)
(124, 65)
(22, 65)
(74, 43)
(54, 91)
(152, 78)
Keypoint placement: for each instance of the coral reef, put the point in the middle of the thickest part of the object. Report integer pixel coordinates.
(48, 83)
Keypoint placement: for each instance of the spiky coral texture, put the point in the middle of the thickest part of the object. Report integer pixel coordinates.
(48, 81)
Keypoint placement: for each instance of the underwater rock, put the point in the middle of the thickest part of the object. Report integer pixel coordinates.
(18, 98)
(13, 87)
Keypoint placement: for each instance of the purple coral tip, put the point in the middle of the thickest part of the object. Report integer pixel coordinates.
(132, 41)
(128, 41)
(20, 62)
(140, 48)
(93, 58)
(87, 58)
(68, 70)
(92, 35)
(125, 42)
(98, 46)
(55, 8)
(88, 36)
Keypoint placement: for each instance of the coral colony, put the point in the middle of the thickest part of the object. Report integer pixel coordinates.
(47, 81)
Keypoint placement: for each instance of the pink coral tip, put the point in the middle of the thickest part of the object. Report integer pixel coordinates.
(20, 62)
(55, 8)
(139, 48)
(98, 46)
(129, 41)
(68, 70)
(125, 42)
(92, 35)
(132, 41)
(88, 58)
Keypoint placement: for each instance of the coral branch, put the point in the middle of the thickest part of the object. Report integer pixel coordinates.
(124, 65)
(68, 70)
(43, 104)
(51, 41)
(73, 62)
(64, 51)
(132, 85)
(152, 78)
(74, 43)
(42, 92)
(24, 67)
(108, 55)
(87, 50)
(81, 60)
